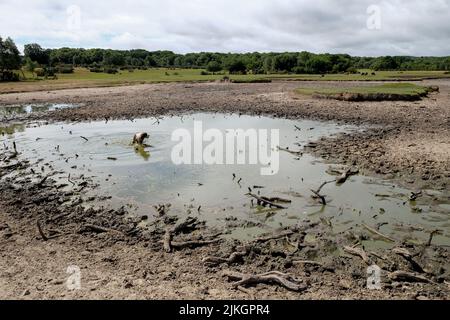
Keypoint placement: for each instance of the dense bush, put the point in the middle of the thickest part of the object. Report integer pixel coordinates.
(8, 76)
(96, 69)
(40, 72)
(65, 68)
(111, 70)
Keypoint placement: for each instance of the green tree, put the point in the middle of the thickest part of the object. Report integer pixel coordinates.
(9, 59)
(213, 66)
(30, 65)
(236, 65)
(35, 52)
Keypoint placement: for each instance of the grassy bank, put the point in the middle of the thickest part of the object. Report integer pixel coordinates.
(388, 91)
(84, 78)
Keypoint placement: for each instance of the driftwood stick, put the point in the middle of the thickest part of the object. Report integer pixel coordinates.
(408, 257)
(408, 277)
(235, 256)
(323, 185)
(99, 229)
(310, 262)
(432, 234)
(187, 225)
(359, 252)
(345, 175)
(317, 194)
(41, 232)
(167, 239)
(269, 203)
(84, 138)
(378, 233)
(273, 277)
(297, 153)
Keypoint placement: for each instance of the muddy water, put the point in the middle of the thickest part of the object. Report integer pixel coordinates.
(142, 178)
(30, 108)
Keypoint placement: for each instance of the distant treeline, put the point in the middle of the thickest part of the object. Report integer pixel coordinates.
(63, 60)
(292, 62)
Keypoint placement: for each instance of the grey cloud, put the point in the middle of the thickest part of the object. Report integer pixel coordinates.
(412, 27)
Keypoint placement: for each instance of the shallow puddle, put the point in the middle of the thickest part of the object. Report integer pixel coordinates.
(143, 178)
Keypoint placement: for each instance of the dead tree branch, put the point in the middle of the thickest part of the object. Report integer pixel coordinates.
(273, 277)
(359, 252)
(234, 257)
(265, 202)
(408, 277)
(378, 233)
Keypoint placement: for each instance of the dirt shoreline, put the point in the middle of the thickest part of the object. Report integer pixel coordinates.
(410, 144)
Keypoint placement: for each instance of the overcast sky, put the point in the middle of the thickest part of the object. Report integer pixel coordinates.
(357, 27)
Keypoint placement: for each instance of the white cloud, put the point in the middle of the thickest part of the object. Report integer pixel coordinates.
(407, 27)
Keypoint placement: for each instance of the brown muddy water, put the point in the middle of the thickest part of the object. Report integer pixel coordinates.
(142, 178)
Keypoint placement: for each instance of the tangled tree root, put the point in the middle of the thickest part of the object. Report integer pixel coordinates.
(272, 277)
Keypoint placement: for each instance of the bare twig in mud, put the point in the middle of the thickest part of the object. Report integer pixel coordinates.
(265, 202)
(408, 257)
(186, 226)
(99, 229)
(41, 182)
(345, 175)
(378, 233)
(244, 290)
(297, 153)
(317, 194)
(432, 234)
(167, 240)
(297, 128)
(273, 277)
(192, 243)
(275, 237)
(359, 252)
(162, 209)
(234, 257)
(408, 277)
(377, 255)
(68, 179)
(84, 138)
(59, 216)
(41, 232)
(112, 158)
(277, 199)
(415, 195)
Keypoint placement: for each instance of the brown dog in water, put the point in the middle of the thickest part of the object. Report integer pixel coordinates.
(140, 137)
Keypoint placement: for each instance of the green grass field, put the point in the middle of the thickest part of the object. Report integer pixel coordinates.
(387, 88)
(373, 92)
(84, 78)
